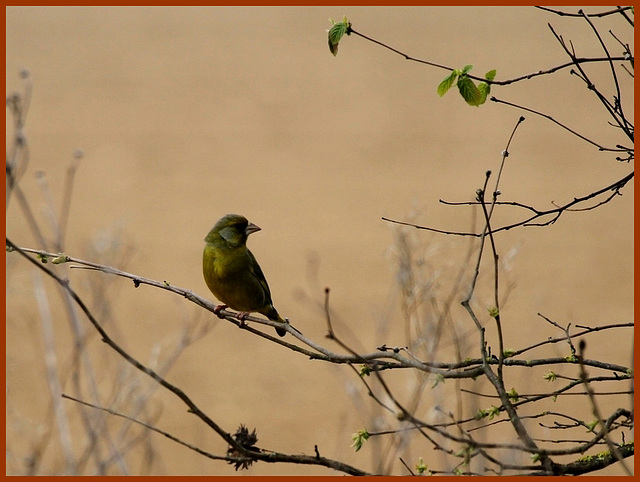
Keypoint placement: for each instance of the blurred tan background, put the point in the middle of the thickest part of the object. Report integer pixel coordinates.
(186, 114)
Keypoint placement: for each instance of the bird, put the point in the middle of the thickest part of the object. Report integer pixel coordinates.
(232, 273)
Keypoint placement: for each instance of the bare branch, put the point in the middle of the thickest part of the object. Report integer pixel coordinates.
(257, 454)
(554, 214)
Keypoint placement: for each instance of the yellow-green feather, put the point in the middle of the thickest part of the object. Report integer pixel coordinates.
(232, 273)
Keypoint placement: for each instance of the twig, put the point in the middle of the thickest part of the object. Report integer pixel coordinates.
(157, 430)
(528, 222)
(66, 202)
(562, 13)
(559, 124)
(406, 466)
(51, 365)
(256, 454)
(596, 410)
(482, 79)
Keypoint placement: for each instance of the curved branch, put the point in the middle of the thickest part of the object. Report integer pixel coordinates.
(555, 213)
(599, 14)
(382, 359)
(548, 71)
(253, 454)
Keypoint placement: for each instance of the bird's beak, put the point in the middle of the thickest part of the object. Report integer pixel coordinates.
(251, 228)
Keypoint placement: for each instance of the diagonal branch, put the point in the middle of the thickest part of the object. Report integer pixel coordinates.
(257, 454)
(537, 213)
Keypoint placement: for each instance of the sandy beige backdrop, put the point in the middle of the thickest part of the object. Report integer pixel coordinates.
(186, 114)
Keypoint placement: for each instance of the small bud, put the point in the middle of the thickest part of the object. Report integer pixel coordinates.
(62, 258)
(421, 467)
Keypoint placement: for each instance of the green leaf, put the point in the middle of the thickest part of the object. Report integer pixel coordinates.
(490, 75)
(469, 91)
(473, 95)
(480, 414)
(359, 438)
(493, 411)
(439, 378)
(484, 89)
(513, 395)
(551, 376)
(448, 81)
(591, 426)
(464, 453)
(508, 352)
(336, 32)
(421, 467)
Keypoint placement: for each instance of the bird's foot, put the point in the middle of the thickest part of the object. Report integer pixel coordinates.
(218, 309)
(242, 316)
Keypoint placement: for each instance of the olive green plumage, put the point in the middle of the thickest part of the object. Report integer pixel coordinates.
(231, 271)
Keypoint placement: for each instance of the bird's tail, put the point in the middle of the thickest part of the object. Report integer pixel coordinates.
(281, 331)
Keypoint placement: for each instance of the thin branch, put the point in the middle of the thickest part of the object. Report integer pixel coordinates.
(560, 124)
(407, 57)
(596, 410)
(51, 366)
(614, 109)
(614, 76)
(406, 466)
(598, 14)
(257, 454)
(157, 430)
(65, 208)
(528, 222)
(482, 79)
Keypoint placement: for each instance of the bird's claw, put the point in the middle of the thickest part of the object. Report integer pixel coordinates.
(218, 309)
(242, 316)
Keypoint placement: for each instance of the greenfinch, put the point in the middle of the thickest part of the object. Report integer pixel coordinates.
(231, 271)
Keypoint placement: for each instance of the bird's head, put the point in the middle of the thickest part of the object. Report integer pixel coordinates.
(233, 228)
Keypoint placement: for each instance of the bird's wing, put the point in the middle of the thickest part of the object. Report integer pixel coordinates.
(259, 275)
